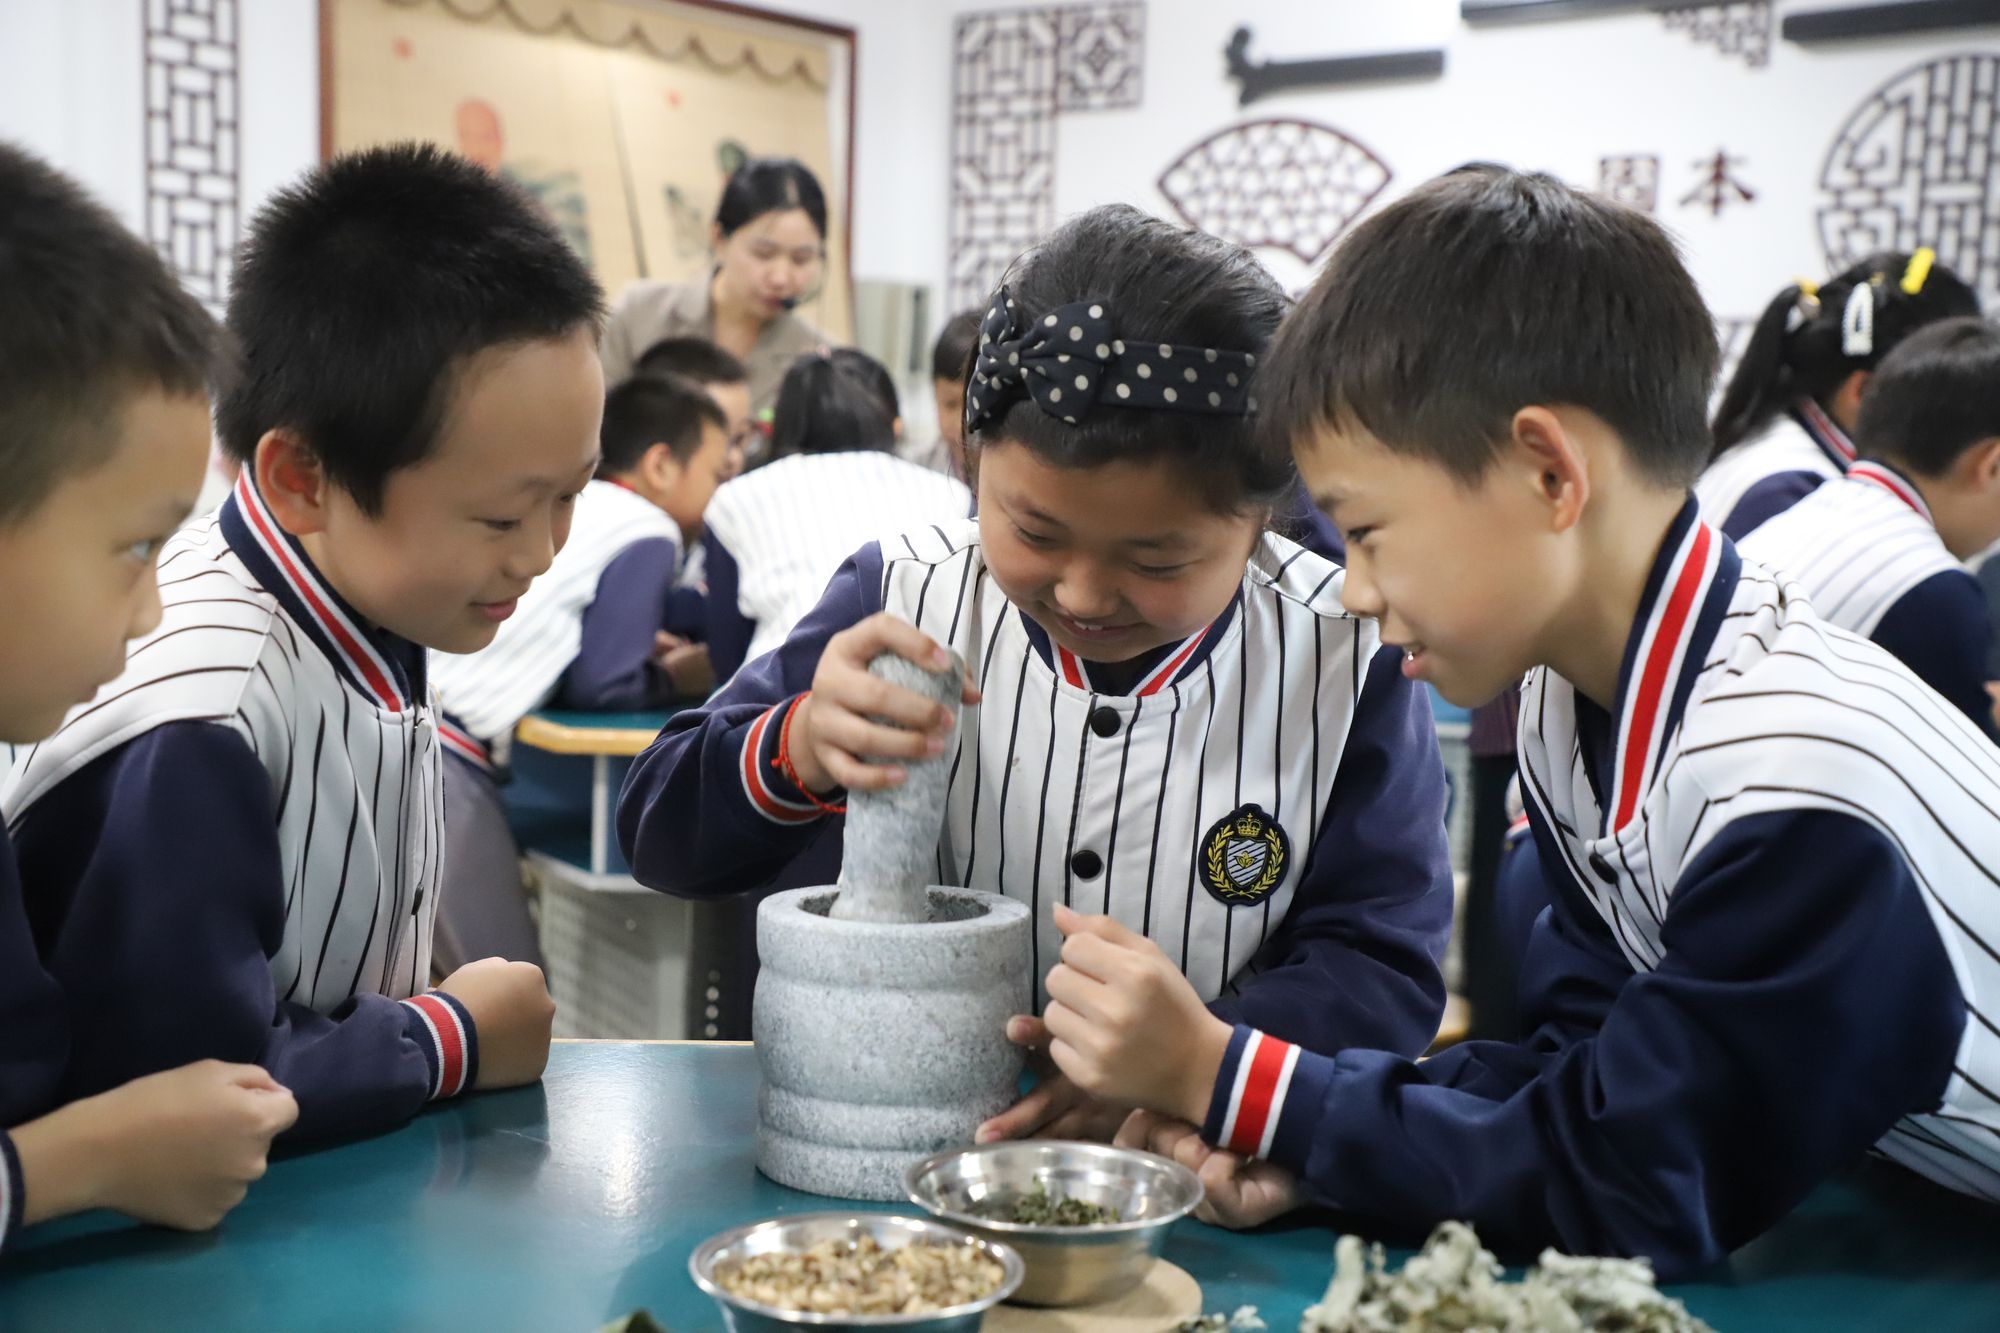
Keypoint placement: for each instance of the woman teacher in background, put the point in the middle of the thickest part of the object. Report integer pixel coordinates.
(770, 252)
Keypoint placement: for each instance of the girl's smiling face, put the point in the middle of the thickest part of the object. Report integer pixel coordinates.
(1114, 560)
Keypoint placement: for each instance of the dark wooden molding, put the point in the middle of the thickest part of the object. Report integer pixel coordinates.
(1888, 19)
(1265, 78)
(1513, 11)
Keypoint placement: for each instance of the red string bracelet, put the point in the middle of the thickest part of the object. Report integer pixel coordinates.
(783, 763)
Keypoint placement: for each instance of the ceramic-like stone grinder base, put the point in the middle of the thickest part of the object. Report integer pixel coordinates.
(882, 1043)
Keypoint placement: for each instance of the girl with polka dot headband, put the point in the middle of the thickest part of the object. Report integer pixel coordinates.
(1178, 748)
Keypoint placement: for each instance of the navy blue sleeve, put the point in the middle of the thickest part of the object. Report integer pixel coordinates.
(687, 614)
(1356, 960)
(704, 812)
(1804, 1005)
(729, 630)
(1989, 586)
(1766, 500)
(34, 1033)
(1520, 895)
(614, 671)
(1940, 629)
(165, 888)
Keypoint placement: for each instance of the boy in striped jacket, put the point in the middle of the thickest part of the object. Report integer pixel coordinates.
(237, 844)
(588, 635)
(104, 416)
(1881, 551)
(1774, 941)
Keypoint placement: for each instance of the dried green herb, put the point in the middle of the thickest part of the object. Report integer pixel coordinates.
(1038, 1208)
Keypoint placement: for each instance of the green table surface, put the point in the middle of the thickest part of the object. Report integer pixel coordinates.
(564, 717)
(562, 1206)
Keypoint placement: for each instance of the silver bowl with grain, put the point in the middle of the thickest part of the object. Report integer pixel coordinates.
(976, 1189)
(782, 1235)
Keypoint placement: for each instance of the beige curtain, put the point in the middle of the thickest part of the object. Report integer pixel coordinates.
(621, 116)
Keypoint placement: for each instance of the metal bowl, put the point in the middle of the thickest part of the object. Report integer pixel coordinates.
(970, 1187)
(809, 1229)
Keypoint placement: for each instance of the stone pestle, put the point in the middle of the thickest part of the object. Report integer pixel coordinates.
(890, 846)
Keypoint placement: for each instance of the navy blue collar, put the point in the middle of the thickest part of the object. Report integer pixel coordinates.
(387, 668)
(1825, 432)
(1686, 598)
(1159, 669)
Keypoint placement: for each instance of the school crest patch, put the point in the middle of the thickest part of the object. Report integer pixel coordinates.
(1243, 857)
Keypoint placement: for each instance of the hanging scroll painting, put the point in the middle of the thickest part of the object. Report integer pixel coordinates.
(622, 117)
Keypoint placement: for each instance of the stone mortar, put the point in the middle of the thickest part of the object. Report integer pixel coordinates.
(881, 1008)
(882, 1042)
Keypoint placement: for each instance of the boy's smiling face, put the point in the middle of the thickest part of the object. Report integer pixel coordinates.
(77, 572)
(1459, 575)
(462, 534)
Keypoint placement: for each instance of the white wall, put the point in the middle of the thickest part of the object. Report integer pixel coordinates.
(902, 131)
(1555, 95)
(1552, 95)
(71, 89)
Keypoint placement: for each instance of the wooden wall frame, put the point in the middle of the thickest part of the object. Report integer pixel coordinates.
(839, 32)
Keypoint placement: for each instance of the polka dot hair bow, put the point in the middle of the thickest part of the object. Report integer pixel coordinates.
(1072, 359)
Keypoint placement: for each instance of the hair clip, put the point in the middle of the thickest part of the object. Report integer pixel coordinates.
(1857, 322)
(1805, 306)
(1918, 270)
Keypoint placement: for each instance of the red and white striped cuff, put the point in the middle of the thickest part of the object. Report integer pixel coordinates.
(1263, 1069)
(443, 1029)
(769, 794)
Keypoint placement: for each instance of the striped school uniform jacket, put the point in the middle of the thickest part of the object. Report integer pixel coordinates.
(1265, 802)
(1774, 942)
(493, 689)
(774, 536)
(1866, 551)
(235, 845)
(1760, 478)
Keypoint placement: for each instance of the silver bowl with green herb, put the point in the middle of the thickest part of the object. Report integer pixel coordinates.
(1095, 1216)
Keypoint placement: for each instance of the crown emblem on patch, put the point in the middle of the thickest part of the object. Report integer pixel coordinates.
(1243, 857)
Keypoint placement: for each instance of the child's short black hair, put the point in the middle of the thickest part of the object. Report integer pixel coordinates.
(1800, 349)
(362, 290)
(1158, 283)
(770, 185)
(697, 358)
(1934, 397)
(951, 354)
(1488, 290)
(835, 399)
(654, 409)
(89, 316)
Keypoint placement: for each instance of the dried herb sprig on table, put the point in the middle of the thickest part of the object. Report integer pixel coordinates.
(1455, 1283)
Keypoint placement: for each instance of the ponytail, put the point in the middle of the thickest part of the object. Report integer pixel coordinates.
(1808, 341)
(1762, 380)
